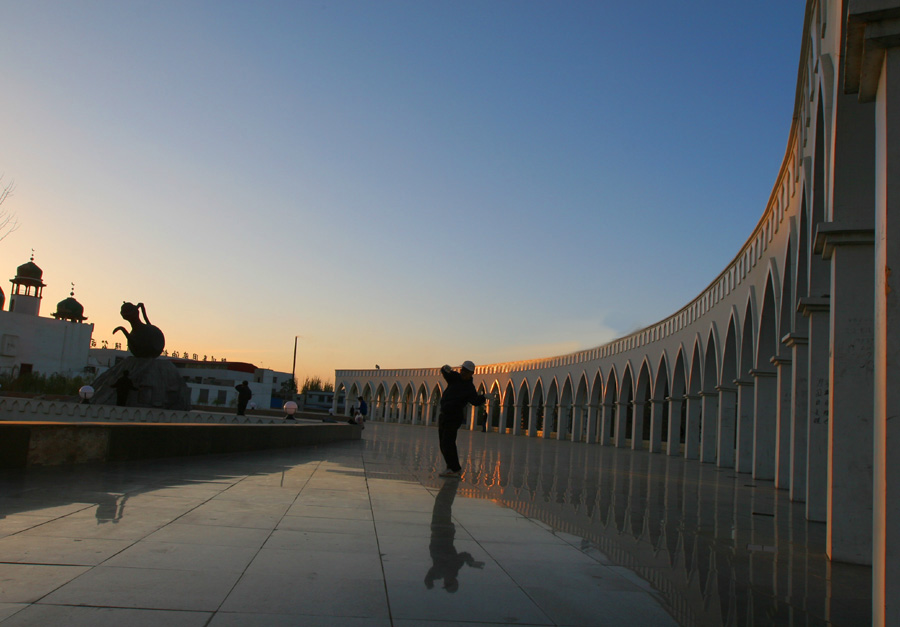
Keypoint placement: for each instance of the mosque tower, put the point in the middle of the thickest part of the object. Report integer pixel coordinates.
(26, 290)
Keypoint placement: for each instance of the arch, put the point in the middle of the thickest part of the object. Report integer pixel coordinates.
(524, 397)
(580, 411)
(624, 408)
(536, 413)
(565, 411)
(640, 430)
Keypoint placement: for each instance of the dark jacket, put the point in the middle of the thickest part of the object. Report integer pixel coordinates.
(244, 393)
(458, 394)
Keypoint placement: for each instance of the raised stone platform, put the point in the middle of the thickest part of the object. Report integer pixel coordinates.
(38, 432)
(37, 443)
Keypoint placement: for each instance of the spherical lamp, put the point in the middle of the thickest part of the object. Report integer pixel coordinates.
(86, 393)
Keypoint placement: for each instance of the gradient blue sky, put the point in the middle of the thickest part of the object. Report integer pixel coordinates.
(408, 183)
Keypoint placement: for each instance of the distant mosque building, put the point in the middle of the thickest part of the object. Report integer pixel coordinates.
(32, 344)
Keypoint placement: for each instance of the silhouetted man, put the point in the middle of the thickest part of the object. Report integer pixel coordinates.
(459, 393)
(244, 396)
(123, 386)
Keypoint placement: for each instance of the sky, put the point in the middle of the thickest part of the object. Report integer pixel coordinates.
(391, 182)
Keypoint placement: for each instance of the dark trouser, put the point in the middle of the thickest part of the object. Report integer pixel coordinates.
(447, 435)
(242, 407)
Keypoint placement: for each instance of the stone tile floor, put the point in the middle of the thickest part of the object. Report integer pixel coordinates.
(364, 534)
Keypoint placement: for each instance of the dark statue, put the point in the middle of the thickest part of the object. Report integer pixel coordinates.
(144, 339)
(142, 380)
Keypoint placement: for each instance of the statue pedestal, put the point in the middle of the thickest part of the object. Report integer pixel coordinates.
(158, 381)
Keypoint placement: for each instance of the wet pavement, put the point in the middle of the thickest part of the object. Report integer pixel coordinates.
(364, 533)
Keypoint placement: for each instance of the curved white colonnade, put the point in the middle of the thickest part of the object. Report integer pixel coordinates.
(785, 366)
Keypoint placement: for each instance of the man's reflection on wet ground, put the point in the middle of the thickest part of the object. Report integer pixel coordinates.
(446, 560)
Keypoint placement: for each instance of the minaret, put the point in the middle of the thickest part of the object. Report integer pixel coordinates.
(26, 289)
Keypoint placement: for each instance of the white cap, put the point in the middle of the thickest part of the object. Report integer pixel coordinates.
(468, 365)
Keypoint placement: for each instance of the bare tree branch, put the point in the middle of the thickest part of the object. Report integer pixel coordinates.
(8, 221)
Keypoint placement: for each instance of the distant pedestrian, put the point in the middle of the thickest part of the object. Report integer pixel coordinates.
(459, 393)
(244, 396)
(363, 408)
(124, 385)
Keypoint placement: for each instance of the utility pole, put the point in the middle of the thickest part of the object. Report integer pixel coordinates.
(294, 368)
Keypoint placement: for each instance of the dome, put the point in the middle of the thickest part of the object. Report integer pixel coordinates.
(29, 274)
(70, 309)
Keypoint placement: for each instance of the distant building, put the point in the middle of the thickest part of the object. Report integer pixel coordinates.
(211, 382)
(32, 344)
(316, 401)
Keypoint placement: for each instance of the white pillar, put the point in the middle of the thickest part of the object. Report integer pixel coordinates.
(532, 420)
(578, 413)
(692, 427)
(517, 420)
(744, 448)
(562, 426)
(591, 430)
(727, 423)
(816, 309)
(850, 427)
(548, 421)
(621, 420)
(782, 421)
(606, 417)
(872, 68)
(637, 425)
(709, 416)
(764, 398)
(799, 404)
(673, 439)
(657, 407)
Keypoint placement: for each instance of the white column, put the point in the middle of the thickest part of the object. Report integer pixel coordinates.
(637, 425)
(709, 416)
(657, 408)
(517, 420)
(726, 431)
(621, 420)
(578, 412)
(744, 446)
(606, 417)
(764, 398)
(532, 420)
(850, 428)
(692, 427)
(548, 421)
(591, 430)
(562, 426)
(799, 404)
(782, 421)
(816, 309)
(673, 443)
